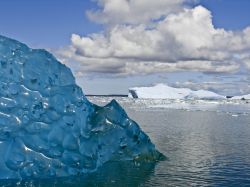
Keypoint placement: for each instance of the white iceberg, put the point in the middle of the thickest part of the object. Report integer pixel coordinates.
(162, 91)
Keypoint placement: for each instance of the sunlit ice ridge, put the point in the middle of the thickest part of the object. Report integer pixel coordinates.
(47, 126)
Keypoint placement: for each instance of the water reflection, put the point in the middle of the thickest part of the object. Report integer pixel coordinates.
(204, 148)
(111, 175)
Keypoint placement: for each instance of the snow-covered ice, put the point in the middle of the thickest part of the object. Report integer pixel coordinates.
(48, 127)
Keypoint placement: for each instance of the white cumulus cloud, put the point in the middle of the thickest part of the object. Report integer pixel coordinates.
(136, 41)
(133, 11)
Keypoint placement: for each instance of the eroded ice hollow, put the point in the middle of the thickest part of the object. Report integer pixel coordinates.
(49, 128)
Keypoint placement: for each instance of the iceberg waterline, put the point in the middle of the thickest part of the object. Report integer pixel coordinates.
(49, 128)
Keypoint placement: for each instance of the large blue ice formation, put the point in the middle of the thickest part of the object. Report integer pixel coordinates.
(48, 127)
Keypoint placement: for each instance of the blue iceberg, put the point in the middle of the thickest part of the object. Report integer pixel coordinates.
(47, 126)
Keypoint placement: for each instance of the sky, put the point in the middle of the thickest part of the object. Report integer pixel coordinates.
(112, 45)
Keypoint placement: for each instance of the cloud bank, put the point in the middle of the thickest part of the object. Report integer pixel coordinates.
(146, 37)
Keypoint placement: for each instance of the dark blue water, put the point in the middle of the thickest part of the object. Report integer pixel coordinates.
(204, 148)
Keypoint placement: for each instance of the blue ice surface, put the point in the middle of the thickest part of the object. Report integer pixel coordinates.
(47, 126)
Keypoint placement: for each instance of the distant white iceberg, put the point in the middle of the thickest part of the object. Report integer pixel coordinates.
(162, 91)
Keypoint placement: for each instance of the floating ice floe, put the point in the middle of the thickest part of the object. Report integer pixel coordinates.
(242, 97)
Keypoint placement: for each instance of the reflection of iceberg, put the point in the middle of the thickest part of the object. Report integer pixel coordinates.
(111, 174)
(162, 91)
(48, 127)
